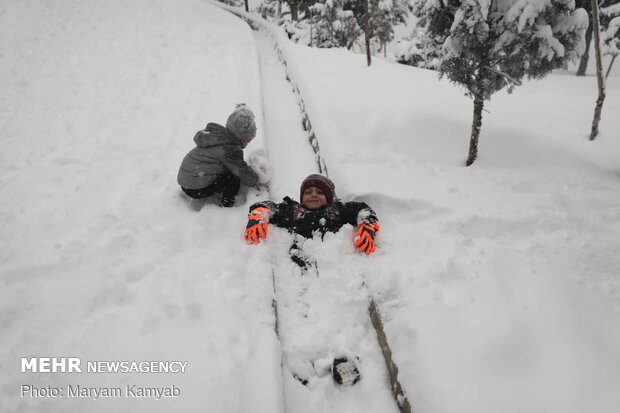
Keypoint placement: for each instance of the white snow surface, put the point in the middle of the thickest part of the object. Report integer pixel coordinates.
(499, 284)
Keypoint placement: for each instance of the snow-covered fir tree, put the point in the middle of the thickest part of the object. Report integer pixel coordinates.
(383, 15)
(487, 45)
(332, 26)
(270, 9)
(410, 51)
(325, 23)
(335, 23)
(610, 22)
(283, 10)
(603, 21)
(420, 49)
(297, 8)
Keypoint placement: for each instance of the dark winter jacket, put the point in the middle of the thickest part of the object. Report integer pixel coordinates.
(296, 218)
(217, 152)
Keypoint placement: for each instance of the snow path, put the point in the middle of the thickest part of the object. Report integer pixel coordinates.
(286, 143)
(335, 303)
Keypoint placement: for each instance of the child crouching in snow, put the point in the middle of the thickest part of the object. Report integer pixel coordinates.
(319, 212)
(216, 164)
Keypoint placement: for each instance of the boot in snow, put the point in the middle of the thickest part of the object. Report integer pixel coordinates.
(345, 371)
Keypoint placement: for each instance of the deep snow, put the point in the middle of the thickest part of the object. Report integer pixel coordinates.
(498, 283)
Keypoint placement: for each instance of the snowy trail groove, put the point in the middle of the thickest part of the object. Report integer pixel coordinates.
(283, 114)
(292, 159)
(270, 53)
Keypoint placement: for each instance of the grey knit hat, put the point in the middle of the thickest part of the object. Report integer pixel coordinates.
(241, 122)
(321, 182)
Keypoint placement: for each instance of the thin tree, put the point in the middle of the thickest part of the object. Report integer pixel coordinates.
(294, 7)
(488, 45)
(366, 32)
(585, 57)
(610, 30)
(599, 71)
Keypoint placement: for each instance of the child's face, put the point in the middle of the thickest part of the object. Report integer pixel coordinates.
(244, 144)
(313, 198)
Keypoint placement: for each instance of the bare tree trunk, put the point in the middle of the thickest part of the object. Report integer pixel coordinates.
(583, 62)
(610, 65)
(366, 32)
(475, 130)
(599, 71)
(247, 8)
(294, 10)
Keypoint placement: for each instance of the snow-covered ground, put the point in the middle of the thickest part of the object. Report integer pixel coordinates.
(499, 283)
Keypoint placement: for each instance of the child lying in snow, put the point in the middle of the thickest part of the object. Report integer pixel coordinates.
(216, 165)
(318, 211)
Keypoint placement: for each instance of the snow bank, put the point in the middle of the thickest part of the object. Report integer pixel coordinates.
(101, 257)
(482, 271)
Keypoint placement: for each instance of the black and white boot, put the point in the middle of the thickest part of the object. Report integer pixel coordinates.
(345, 371)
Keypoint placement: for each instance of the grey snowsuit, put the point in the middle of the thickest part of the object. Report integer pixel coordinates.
(218, 152)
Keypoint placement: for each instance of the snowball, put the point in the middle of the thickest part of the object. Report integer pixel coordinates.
(259, 164)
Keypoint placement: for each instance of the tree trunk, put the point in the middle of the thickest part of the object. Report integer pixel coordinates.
(294, 10)
(366, 32)
(599, 71)
(475, 130)
(610, 65)
(583, 63)
(247, 8)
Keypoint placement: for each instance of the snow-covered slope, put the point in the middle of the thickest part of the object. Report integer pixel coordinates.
(499, 283)
(100, 256)
(500, 280)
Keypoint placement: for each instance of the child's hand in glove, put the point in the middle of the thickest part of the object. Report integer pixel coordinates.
(257, 225)
(365, 237)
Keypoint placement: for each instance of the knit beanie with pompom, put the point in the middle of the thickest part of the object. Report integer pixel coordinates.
(241, 123)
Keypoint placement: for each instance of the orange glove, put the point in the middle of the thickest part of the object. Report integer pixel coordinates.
(257, 225)
(364, 239)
